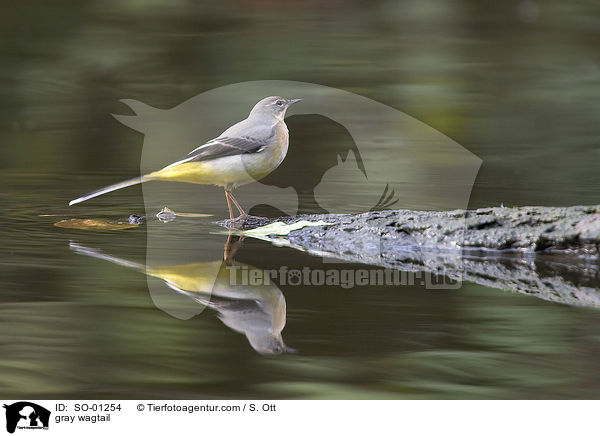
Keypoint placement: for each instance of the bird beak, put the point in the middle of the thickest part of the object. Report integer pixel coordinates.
(294, 100)
(290, 350)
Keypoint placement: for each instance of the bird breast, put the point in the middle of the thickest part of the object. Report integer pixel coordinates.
(264, 162)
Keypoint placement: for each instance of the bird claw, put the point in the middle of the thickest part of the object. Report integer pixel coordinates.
(245, 222)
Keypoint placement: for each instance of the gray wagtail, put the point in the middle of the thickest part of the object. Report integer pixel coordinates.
(245, 152)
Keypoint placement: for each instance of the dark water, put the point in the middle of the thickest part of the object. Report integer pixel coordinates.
(517, 84)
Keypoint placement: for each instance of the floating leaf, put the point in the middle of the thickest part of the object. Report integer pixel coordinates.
(95, 224)
(279, 228)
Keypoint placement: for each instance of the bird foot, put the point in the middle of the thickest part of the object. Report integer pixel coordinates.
(245, 222)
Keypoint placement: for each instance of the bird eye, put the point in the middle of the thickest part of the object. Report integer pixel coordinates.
(279, 102)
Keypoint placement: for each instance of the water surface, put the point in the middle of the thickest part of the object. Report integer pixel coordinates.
(520, 91)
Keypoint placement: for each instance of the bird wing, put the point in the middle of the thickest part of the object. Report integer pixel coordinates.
(223, 146)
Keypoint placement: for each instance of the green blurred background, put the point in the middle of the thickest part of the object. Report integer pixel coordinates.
(515, 82)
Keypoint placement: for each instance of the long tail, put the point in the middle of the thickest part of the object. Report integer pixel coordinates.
(110, 188)
(93, 252)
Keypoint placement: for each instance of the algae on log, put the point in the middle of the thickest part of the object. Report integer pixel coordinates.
(548, 252)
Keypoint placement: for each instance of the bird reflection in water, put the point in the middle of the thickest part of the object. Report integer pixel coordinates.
(257, 311)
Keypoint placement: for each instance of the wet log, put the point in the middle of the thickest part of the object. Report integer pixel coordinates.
(549, 252)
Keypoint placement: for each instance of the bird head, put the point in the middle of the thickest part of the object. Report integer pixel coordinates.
(268, 343)
(273, 106)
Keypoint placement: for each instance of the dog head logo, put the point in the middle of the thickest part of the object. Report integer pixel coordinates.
(347, 153)
(26, 415)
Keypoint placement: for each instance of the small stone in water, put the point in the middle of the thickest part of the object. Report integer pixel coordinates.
(136, 219)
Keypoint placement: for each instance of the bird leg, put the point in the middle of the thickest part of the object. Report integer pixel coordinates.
(231, 247)
(244, 220)
(237, 205)
(229, 205)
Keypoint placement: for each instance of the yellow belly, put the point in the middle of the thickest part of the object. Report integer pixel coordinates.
(221, 172)
(229, 171)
